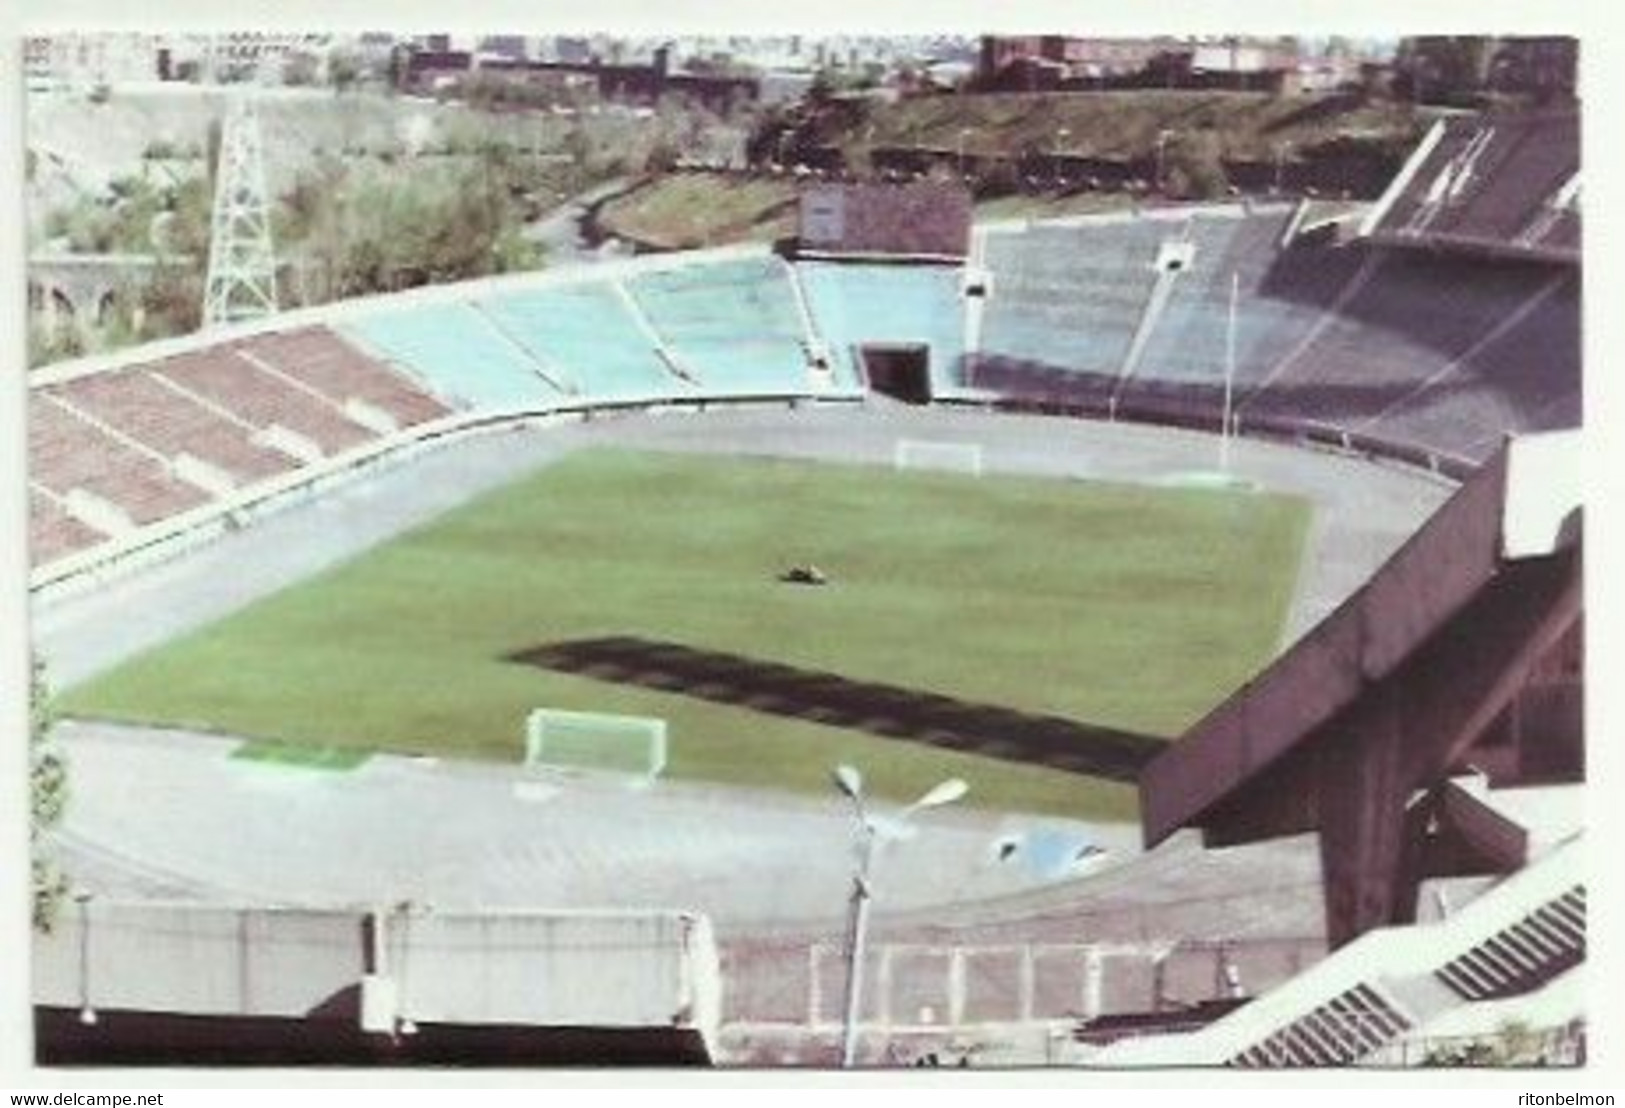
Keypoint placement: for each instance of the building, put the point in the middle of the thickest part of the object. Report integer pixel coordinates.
(634, 83)
(1034, 63)
(84, 62)
(1546, 67)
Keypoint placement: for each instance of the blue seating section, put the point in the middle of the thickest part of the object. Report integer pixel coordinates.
(857, 303)
(458, 354)
(1070, 297)
(1413, 315)
(1191, 335)
(732, 324)
(587, 333)
(1525, 380)
(1390, 344)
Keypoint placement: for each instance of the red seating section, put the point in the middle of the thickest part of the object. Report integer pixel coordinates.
(117, 434)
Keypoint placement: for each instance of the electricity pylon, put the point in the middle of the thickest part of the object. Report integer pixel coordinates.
(242, 262)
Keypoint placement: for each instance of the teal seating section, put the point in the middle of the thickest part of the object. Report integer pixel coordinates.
(458, 355)
(586, 334)
(732, 324)
(867, 302)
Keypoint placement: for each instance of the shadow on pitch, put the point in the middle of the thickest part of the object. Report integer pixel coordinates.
(828, 698)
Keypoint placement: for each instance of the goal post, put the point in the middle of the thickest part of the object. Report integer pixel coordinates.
(595, 742)
(947, 457)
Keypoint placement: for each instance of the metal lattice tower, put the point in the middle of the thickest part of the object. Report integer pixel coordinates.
(242, 262)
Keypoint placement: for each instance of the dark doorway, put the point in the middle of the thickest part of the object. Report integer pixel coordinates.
(900, 371)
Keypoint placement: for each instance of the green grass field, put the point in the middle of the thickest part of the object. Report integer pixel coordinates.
(1129, 607)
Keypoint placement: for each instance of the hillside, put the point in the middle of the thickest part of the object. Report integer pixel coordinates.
(1247, 126)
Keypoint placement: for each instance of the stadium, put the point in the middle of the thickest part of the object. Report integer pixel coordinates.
(461, 671)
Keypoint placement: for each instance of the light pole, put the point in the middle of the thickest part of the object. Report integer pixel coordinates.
(963, 131)
(850, 782)
(1162, 141)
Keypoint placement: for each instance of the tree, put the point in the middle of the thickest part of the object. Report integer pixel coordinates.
(1195, 168)
(344, 70)
(1444, 69)
(662, 157)
(48, 798)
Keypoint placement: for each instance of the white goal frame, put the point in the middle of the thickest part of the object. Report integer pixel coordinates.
(943, 457)
(613, 728)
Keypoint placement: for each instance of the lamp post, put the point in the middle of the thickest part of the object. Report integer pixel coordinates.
(1162, 141)
(963, 132)
(850, 783)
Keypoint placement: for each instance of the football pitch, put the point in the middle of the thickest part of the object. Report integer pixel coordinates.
(1127, 608)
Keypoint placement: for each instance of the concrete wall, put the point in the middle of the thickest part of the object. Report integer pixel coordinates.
(522, 971)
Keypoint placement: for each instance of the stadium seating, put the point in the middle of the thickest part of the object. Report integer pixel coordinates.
(1492, 180)
(1071, 296)
(1410, 317)
(66, 453)
(1417, 204)
(1527, 379)
(317, 358)
(857, 303)
(1428, 353)
(1534, 170)
(1076, 357)
(253, 391)
(732, 324)
(1565, 232)
(1281, 295)
(1517, 939)
(53, 533)
(1524, 955)
(134, 403)
(458, 354)
(1337, 1033)
(585, 331)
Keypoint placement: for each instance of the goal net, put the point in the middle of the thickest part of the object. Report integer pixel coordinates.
(595, 742)
(951, 457)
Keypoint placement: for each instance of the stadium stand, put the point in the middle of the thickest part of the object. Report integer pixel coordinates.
(1525, 379)
(1065, 305)
(1411, 317)
(1425, 355)
(139, 405)
(317, 358)
(1428, 355)
(1524, 955)
(459, 354)
(69, 455)
(1281, 293)
(586, 331)
(854, 303)
(733, 323)
(53, 532)
(239, 382)
(1503, 182)
(1517, 939)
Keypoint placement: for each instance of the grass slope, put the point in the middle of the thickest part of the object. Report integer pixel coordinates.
(1125, 124)
(682, 211)
(1129, 607)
